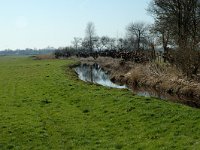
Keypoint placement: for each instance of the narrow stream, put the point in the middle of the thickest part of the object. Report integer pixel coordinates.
(95, 74)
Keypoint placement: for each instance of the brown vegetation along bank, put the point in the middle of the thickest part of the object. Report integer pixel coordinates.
(43, 56)
(163, 78)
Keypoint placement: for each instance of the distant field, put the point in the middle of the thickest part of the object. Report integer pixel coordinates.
(44, 106)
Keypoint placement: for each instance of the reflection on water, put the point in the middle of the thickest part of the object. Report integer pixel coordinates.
(95, 74)
(153, 93)
(165, 96)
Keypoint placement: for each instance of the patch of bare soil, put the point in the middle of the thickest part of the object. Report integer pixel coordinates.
(163, 78)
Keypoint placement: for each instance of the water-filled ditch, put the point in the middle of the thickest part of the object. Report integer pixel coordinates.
(95, 74)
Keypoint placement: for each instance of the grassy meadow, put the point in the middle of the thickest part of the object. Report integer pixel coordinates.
(44, 106)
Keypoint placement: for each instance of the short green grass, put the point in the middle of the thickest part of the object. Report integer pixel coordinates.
(44, 106)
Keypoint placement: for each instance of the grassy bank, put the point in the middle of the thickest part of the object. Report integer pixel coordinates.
(44, 106)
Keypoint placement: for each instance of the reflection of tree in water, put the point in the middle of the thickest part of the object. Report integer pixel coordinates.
(84, 72)
(98, 74)
(91, 73)
(95, 74)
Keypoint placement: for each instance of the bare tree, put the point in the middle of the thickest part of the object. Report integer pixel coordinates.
(76, 43)
(181, 17)
(132, 42)
(120, 44)
(112, 44)
(163, 35)
(179, 20)
(90, 35)
(97, 43)
(137, 30)
(105, 42)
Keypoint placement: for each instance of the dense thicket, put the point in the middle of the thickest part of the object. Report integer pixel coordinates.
(178, 22)
(181, 18)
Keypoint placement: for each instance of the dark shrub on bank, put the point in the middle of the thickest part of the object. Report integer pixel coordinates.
(188, 61)
(64, 52)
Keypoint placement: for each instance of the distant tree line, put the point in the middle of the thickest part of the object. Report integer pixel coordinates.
(137, 38)
(27, 51)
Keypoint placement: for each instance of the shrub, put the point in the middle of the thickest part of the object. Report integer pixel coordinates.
(188, 61)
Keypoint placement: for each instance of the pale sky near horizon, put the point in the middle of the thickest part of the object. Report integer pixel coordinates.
(42, 23)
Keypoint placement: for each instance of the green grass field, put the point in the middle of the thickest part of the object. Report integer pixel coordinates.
(44, 106)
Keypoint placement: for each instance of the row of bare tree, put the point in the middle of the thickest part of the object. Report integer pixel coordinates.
(178, 21)
(176, 28)
(138, 37)
(178, 24)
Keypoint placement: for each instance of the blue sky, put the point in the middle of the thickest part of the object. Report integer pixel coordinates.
(42, 23)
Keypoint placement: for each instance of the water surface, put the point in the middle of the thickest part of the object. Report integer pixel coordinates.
(95, 74)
